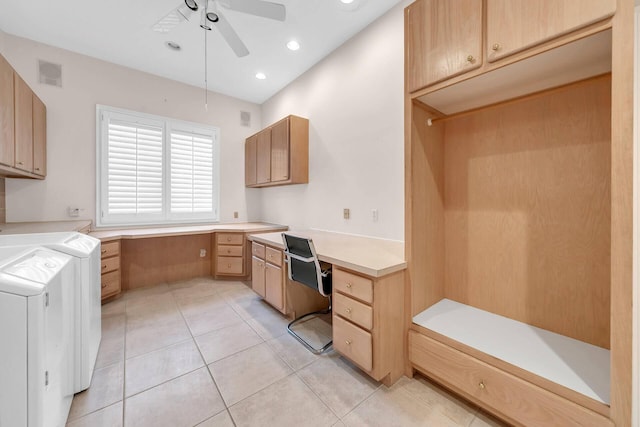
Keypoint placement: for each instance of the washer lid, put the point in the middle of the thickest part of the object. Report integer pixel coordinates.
(70, 242)
(31, 271)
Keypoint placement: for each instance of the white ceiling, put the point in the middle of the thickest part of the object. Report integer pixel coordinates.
(119, 31)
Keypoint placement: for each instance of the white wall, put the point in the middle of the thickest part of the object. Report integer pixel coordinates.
(71, 132)
(355, 106)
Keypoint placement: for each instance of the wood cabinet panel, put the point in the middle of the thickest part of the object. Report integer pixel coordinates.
(39, 137)
(273, 256)
(263, 165)
(110, 284)
(274, 290)
(23, 125)
(110, 249)
(353, 285)
(110, 264)
(258, 276)
(444, 39)
(280, 151)
(353, 342)
(515, 25)
(230, 250)
(230, 238)
(354, 311)
(7, 135)
(230, 265)
(250, 160)
(257, 250)
(519, 400)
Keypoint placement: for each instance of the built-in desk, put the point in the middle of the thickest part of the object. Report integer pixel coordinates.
(140, 257)
(369, 325)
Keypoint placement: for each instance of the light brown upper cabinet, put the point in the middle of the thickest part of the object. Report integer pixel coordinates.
(6, 113)
(263, 162)
(282, 154)
(444, 38)
(39, 137)
(516, 25)
(23, 127)
(24, 124)
(250, 159)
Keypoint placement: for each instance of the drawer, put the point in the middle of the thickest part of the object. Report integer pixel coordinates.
(110, 249)
(353, 343)
(110, 284)
(229, 265)
(500, 391)
(230, 250)
(274, 256)
(257, 250)
(110, 264)
(352, 285)
(230, 238)
(352, 310)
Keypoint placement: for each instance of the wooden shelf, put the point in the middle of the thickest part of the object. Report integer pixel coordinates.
(573, 364)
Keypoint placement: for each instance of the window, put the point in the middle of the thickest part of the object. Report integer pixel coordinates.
(154, 170)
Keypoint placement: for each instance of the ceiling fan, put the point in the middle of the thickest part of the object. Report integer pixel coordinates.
(211, 16)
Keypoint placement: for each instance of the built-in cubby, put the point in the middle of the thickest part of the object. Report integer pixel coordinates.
(517, 197)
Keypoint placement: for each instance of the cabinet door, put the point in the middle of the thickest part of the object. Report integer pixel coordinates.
(39, 137)
(257, 276)
(280, 151)
(263, 167)
(6, 113)
(515, 25)
(24, 124)
(250, 159)
(273, 285)
(444, 38)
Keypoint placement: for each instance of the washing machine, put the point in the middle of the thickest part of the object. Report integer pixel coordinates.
(86, 253)
(36, 337)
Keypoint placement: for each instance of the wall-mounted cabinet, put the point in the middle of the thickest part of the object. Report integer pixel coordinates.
(279, 154)
(23, 127)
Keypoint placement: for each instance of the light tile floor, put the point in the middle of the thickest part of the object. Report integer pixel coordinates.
(211, 353)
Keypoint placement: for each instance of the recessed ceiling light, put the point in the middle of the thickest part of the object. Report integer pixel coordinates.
(347, 1)
(261, 76)
(293, 45)
(173, 45)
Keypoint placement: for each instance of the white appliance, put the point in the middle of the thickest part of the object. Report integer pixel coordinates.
(37, 336)
(86, 253)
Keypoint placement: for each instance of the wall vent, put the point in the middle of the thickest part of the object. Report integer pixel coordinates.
(50, 73)
(245, 118)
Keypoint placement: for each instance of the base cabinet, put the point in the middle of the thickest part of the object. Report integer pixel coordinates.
(267, 275)
(110, 268)
(229, 254)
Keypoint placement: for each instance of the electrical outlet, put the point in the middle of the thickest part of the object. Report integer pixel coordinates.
(374, 215)
(73, 211)
(235, 214)
(203, 253)
(346, 213)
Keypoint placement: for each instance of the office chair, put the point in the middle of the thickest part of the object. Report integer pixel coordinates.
(305, 268)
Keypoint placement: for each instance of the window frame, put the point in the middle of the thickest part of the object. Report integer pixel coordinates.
(166, 217)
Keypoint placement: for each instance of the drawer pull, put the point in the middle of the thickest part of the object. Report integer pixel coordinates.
(348, 285)
(104, 266)
(104, 285)
(348, 310)
(20, 163)
(228, 265)
(37, 169)
(228, 251)
(104, 251)
(348, 342)
(228, 239)
(481, 385)
(471, 59)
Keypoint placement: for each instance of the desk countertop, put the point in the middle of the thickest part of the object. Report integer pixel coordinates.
(370, 256)
(183, 230)
(82, 226)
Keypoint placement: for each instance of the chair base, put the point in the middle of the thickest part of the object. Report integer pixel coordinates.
(309, 347)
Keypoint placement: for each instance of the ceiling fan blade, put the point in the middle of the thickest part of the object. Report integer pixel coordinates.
(265, 9)
(231, 36)
(172, 19)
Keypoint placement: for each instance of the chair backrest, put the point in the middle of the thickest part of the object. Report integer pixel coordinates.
(304, 266)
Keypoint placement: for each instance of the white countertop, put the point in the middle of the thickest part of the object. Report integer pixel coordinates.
(44, 227)
(367, 255)
(183, 230)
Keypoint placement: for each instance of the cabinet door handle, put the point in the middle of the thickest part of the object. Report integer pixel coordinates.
(37, 169)
(348, 342)
(471, 59)
(481, 385)
(20, 163)
(496, 47)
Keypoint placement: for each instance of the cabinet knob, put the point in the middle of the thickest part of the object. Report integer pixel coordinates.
(104, 285)
(104, 266)
(471, 59)
(228, 239)
(348, 285)
(228, 265)
(481, 385)
(104, 251)
(348, 310)
(20, 163)
(496, 47)
(37, 169)
(348, 342)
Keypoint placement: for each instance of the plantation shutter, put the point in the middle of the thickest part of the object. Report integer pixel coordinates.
(134, 168)
(192, 172)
